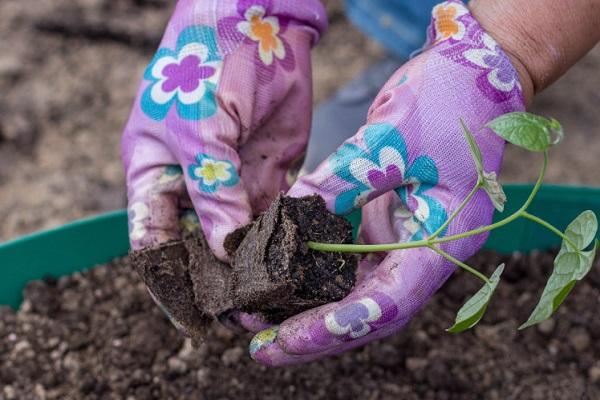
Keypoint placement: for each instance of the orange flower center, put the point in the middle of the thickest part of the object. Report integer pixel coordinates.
(446, 24)
(264, 32)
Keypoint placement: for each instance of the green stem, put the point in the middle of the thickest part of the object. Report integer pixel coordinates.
(459, 263)
(458, 210)
(366, 248)
(508, 219)
(358, 248)
(550, 227)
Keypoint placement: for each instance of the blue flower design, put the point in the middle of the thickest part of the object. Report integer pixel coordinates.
(211, 173)
(383, 166)
(186, 77)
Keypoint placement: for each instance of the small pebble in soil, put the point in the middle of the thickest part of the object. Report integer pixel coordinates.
(579, 339)
(546, 327)
(594, 373)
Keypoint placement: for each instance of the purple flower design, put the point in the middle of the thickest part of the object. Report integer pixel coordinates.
(187, 75)
(256, 25)
(379, 180)
(358, 318)
(498, 80)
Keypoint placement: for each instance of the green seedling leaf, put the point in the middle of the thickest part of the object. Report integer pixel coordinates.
(494, 190)
(472, 311)
(528, 131)
(581, 231)
(556, 130)
(475, 151)
(569, 267)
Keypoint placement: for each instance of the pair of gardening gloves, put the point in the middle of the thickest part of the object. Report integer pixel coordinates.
(224, 111)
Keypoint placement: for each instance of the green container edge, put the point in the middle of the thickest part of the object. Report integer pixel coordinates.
(97, 240)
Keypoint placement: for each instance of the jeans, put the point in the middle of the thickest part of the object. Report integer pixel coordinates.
(399, 25)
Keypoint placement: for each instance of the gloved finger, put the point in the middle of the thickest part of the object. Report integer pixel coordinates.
(212, 170)
(155, 185)
(272, 155)
(239, 321)
(266, 350)
(254, 322)
(398, 289)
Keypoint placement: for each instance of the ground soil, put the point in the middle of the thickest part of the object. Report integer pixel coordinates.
(98, 335)
(68, 73)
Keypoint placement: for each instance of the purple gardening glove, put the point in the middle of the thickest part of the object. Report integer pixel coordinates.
(222, 113)
(410, 167)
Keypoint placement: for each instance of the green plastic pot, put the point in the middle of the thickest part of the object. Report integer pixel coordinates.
(98, 240)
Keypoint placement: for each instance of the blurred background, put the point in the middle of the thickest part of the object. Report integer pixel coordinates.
(69, 70)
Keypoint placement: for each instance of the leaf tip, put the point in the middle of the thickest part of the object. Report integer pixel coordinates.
(525, 326)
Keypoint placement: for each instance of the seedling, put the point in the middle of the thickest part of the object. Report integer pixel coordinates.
(579, 243)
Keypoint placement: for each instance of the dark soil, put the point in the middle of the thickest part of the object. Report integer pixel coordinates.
(98, 335)
(274, 272)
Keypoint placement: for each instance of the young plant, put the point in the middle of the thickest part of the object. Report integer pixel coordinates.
(579, 243)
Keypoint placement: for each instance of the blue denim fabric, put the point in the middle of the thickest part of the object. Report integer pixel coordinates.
(399, 25)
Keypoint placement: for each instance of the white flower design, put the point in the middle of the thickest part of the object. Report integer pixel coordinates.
(138, 214)
(501, 74)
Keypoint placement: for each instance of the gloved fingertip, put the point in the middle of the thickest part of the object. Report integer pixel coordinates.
(264, 346)
(253, 322)
(266, 350)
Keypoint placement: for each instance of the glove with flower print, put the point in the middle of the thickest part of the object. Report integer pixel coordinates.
(222, 113)
(410, 167)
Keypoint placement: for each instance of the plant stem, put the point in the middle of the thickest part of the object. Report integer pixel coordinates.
(550, 227)
(358, 248)
(459, 263)
(366, 248)
(458, 210)
(508, 219)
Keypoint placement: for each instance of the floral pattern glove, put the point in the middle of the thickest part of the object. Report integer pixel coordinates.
(410, 167)
(223, 111)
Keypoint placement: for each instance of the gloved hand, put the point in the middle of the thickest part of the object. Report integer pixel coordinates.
(410, 167)
(224, 109)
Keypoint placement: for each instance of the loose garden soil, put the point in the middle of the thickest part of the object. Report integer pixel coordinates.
(98, 335)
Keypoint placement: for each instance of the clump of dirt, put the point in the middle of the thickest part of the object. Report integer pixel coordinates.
(275, 272)
(272, 272)
(98, 335)
(166, 272)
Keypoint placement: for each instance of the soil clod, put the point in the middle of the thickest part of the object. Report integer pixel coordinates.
(273, 271)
